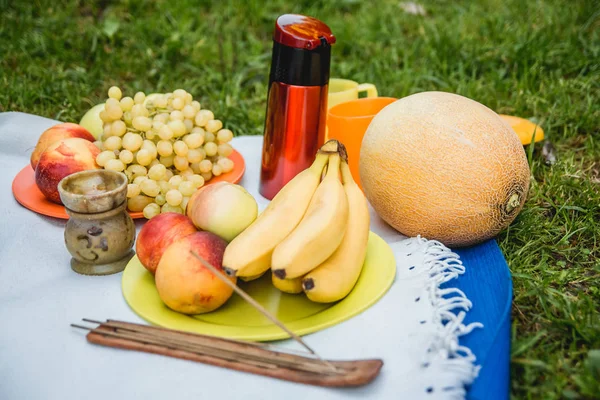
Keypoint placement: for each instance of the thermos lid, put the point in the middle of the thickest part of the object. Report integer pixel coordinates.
(302, 32)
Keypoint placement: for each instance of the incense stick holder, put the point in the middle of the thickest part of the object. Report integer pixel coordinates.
(100, 233)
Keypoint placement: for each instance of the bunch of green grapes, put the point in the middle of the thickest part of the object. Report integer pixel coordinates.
(166, 144)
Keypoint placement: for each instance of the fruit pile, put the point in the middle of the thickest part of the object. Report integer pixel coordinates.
(166, 144)
(313, 235)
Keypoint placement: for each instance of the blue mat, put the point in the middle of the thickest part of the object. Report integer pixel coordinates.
(487, 283)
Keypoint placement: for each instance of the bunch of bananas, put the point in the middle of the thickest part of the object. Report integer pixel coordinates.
(313, 235)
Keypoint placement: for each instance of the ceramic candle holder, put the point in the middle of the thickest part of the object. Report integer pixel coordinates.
(99, 233)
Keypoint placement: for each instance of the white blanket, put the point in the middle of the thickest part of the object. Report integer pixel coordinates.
(414, 328)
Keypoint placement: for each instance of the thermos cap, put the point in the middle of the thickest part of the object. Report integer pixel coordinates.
(302, 32)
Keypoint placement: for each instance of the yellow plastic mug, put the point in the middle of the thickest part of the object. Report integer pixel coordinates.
(343, 90)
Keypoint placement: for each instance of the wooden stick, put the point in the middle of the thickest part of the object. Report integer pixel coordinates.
(259, 307)
(265, 358)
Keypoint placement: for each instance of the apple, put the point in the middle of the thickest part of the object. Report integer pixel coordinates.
(63, 158)
(184, 284)
(54, 134)
(222, 208)
(92, 122)
(157, 234)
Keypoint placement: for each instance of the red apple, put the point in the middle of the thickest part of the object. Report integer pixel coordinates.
(157, 234)
(56, 133)
(63, 158)
(184, 284)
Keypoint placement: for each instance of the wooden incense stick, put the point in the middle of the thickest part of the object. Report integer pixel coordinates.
(259, 307)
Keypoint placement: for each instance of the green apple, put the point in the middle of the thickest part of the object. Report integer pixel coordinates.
(92, 122)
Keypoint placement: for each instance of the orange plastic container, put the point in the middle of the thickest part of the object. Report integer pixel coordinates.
(348, 122)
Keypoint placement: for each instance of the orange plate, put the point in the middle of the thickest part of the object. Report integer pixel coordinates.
(27, 193)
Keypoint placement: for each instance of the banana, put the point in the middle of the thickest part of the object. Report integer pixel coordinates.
(251, 278)
(292, 286)
(335, 278)
(319, 232)
(249, 254)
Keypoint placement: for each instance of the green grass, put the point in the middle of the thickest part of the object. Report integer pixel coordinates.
(536, 59)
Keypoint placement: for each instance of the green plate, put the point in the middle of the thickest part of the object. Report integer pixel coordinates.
(237, 319)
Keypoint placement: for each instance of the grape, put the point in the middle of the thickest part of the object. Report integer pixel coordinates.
(151, 210)
(107, 130)
(151, 147)
(224, 149)
(103, 116)
(127, 117)
(195, 156)
(181, 163)
(194, 139)
(205, 166)
(157, 172)
(132, 141)
(104, 156)
(164, 187)
(139, 179)
(179, 93)
(99, 144)
(139, 98)
(226, 164)
(188, 98)
(187, 188)
(118, 128)
(133, 190)
(203, 116)
(165, 133)
(180, 148)
(213, 125)
(167, 161)
(177, 127)
(169, 174)
(112, 143)
(126, 103)
(160, 102)
(151, 134)
(126, 156)
(114, 165)
(138, 203)
(113, 109)
(142, 123)
(138, 169)
(189, 125)
(211, 149)
(195, 167)
(139, 110)
(115, 93)
(224, 136)
(164, 148)
(178, 103)
(209, 137)
(176, 115)
(168, 208)
(197, 180)
(186, 174)
(153, 163)
(175, 181)
(150, 187)
(162, 117)
(217, 170)
(207, 176)
(160, 199)
(174, 197)
(196, 105)
(143, 157)
(189, 111)
(184, 202)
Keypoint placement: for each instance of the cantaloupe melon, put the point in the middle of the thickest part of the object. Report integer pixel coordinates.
(444, 167)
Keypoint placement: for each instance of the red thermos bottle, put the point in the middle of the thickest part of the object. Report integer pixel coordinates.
(297, 99)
